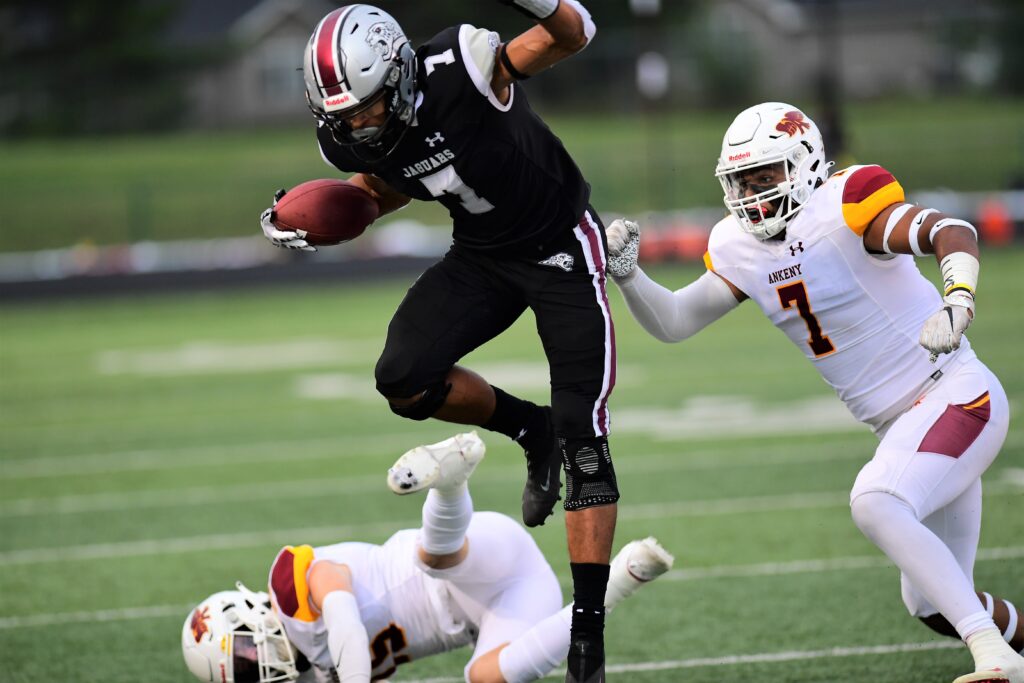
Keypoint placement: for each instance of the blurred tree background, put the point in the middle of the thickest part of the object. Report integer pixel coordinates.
(129, 120)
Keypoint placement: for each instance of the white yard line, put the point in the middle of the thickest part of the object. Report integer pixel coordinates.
(334, 448)
(328, 534)
(817, 566)
(365, 484)
(756, 658)
(765, 569)
(694, 422)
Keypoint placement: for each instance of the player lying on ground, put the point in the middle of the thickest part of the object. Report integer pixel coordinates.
(359, 610)
(828, 261)
(450, 122)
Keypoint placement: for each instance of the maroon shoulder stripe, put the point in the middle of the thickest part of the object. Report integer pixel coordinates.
(864, 182)
(282, 581)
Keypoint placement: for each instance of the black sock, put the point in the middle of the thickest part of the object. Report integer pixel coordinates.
(520, 420)
(589, 583)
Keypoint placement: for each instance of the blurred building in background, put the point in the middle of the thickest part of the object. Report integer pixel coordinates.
(178, 63)
(141, 130)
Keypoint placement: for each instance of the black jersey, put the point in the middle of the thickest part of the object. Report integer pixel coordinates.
(505, 178)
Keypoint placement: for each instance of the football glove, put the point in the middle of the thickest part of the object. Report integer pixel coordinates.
(942, 331)
(286, 239)
(623, 247)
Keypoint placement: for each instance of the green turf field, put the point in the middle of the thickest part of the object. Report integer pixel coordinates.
(212, 184)
(156, 449)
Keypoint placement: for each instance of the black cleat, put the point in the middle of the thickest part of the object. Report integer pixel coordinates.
(585, 663)
(543, 479)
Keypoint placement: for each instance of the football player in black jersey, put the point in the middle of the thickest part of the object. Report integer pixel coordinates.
(448, 122)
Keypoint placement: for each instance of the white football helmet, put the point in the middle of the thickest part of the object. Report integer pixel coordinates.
(235, 637)
(765, 135)
(358, 55)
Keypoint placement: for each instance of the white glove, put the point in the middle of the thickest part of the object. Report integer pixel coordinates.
(623, 247)
(286, 239)
(942, 331)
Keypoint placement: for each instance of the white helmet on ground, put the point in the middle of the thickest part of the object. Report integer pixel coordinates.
(358, 55)
(765, 135)
(235, 637)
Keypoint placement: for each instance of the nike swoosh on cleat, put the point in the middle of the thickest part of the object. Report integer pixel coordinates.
(547, 483)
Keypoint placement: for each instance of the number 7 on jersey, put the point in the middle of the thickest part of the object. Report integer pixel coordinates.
(796, 293)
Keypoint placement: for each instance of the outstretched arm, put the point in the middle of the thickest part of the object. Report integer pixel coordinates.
(674, 316)
(330, 589)
(564, 27)
(666, 315)
(907, 229)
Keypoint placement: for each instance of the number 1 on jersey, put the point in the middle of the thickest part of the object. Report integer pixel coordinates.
(796, 293)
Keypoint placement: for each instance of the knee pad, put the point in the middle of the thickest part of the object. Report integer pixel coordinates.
(426, 405)
(589, 475)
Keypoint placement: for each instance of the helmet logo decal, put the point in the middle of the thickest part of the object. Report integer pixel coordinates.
(381, 37)
(737, 157)
(198, 624)
(793, 123)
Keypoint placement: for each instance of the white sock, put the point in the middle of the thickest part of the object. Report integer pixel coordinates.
(987, 646)
(535, 653)
(446, 516)
(891, 524)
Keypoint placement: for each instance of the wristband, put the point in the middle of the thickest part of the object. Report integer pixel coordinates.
(959, 273)
(536, 9)
(949, 223)
(507, 63)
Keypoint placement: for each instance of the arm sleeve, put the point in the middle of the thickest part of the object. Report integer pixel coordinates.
(673, 316)
(346, 637)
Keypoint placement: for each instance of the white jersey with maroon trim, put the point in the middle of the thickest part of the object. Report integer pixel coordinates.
(407, 614)
(855, 315)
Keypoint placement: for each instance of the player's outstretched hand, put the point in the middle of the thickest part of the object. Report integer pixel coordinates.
(943, 329)
(623, 247)
(286, 239)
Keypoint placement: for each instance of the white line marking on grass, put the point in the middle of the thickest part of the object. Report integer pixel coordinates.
(300, 449)
(363, 484)
(816, 566)
(767, 569)
(192, 544)
(101, 616)
(333, 448)
(331, 534)
(215, 358)
(1013, 475)
(757, 658)
(704, 416)
(790, 656)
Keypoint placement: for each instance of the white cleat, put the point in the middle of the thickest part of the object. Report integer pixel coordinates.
(443, 465)
(1002, 670)
(638, 563)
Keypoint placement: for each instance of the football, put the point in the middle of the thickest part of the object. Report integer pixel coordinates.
(326, 211)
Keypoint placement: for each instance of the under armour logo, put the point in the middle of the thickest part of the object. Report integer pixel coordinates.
(434, 140)
(793, 249)
(560, 260)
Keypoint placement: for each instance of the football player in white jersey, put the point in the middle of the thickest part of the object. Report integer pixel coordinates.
(353, 612)
(830, 261)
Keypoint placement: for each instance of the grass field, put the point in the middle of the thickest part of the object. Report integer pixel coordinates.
(212, 184)
(156, 449)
